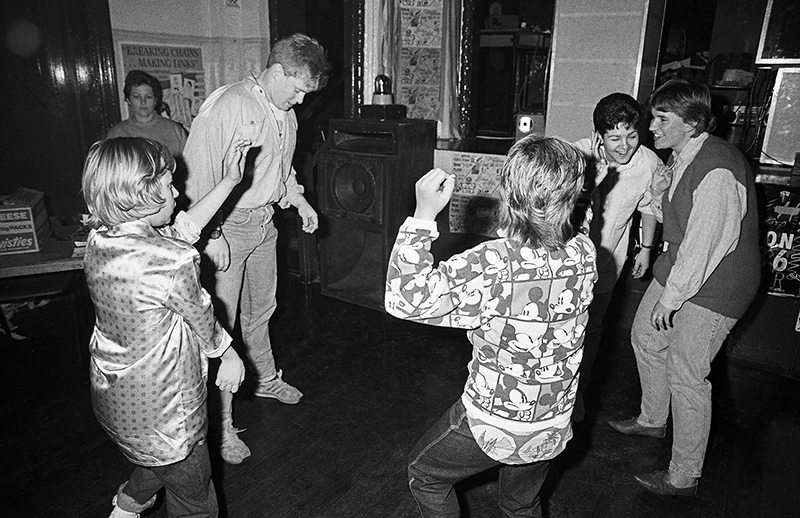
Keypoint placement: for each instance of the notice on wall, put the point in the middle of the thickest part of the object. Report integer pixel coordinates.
(780, 241)
(180, 71)
(475, 205)
(420, 57)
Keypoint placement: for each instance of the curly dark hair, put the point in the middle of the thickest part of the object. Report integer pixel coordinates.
(136, 78)
(614, 109)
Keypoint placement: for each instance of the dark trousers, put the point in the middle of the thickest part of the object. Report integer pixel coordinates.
(448, 453)
(190, 490)
(594, 334)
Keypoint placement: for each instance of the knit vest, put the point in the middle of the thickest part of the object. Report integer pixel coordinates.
(733, 284)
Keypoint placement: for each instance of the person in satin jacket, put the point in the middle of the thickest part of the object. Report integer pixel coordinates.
(155, 327)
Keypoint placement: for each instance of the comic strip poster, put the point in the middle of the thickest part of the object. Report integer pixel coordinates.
(420, 66)
(421, 27)
(420, 57)
(180, 71)
(423, 98)
(475, 205)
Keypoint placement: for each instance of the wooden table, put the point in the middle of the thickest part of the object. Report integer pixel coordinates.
(54, 270)
(55, 256)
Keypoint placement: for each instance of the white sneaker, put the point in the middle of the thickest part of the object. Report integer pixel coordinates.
(279, 389)
(233, 450)
(118, 512)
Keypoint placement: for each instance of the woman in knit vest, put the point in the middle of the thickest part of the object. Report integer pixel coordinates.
(703, 282)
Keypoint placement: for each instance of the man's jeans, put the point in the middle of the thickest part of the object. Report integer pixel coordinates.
(250, 283)
(448, 453)
(673, 365)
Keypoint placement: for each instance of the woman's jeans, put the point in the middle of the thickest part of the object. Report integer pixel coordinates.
(448, 453)
(673, 365)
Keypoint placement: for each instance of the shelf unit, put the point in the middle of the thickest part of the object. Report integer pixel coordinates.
(511, 78)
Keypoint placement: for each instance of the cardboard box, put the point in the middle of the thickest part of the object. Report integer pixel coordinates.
(24, 225)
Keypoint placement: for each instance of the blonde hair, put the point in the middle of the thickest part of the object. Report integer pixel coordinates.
(301, 55)
(540, 182)
(122, 179)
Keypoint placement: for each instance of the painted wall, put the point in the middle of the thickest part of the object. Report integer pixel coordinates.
(235, 40)
(600, 47)
(177, 17)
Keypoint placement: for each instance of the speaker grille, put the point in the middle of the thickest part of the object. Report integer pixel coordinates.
(354, 188)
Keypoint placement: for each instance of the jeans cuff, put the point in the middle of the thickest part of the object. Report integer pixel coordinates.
(649, 424)
(127, 502)
(693, 474)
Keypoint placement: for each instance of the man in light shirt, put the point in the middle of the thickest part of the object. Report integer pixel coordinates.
(704, 281)
(242, 242)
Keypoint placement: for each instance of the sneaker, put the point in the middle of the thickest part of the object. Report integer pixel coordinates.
(233, 450)
(121, 513)
(279, 389)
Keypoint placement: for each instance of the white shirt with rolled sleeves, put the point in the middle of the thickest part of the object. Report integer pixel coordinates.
(242, 109)
(615, 199)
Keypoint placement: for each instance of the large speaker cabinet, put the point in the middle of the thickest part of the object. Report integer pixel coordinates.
(366, 177)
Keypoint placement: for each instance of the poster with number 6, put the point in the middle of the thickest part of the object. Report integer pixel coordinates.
(780, 241)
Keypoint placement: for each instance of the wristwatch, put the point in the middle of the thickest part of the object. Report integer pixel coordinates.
(216, 233)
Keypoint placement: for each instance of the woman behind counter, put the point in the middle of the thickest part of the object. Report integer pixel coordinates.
(143, 94)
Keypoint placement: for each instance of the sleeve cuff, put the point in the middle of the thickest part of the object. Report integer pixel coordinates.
(670, 300)
(290, 199)
(187, 227)
(225, 342)
(422, 224)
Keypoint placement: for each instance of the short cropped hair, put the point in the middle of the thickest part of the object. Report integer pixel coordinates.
(137, 78)
(540, 182)
(121, 179)
(689, 100)
(615, 109)
(302, 55)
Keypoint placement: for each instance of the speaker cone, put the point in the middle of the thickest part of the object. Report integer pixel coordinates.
(354, 188)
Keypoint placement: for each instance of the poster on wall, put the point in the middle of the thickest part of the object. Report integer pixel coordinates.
(780, 241)
(178, 68)
(475, 205)
(420, 57)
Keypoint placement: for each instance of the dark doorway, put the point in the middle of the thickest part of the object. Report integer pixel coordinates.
(59, 95)
(511, 62)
